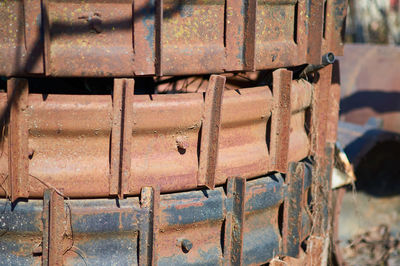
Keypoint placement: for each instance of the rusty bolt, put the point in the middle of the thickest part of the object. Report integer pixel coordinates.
(186, 245)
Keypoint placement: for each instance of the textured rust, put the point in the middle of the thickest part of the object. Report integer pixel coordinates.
(320, 108)
(54, 228)
(74, 156)
(333, 111)
(147, 37)
(211, 123)
(233, 241)
(280, 119)
(18, 164)
(149, 224)
(334, 26)
(121, 136)
(292, 220)
(315, 11)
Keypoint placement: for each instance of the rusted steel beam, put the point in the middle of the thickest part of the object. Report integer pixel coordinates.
(149, 226)
(335, 21)
(158, 37)
(33, 41)
(250, 35)
(333, 110)
(54, 228)
(18, 164)
(293, 206)
(315, 15)
(121, 135)
(211, 123)
(46, 37)
(319, 111)
(233, 241)
(280, 120)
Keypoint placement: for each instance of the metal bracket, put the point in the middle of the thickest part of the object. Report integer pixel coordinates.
(280, 120)
(210, 131)
(57, 233)
(149, 226)
(292, 210)
(121, 134)
(233, 242)
(18, 164)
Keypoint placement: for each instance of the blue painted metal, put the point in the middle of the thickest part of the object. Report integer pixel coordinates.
(108, 230)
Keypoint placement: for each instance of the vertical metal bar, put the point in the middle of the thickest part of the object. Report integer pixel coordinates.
(233, 242)
(280, 120)
(315, 14)
(334, 96)
(335, 23)
(18, 164)
(325, 181)
(234, 37)
(149, 226)
(53, 228)
(291, 229)
(158, 37)
(319, 111)
(121, 136)
(145, 37)
(46, 225)
(210, 131)
(46, 35)
(33, 39)
(250, 34)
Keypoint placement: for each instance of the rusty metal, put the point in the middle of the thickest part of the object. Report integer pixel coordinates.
(370, 84)
(293, 210)
(55, 225)
(280, 119)
(114, 228)
(18, 165)
(211, 123)
(141, 147)
(121, 133)
(57, 145)
(233, 241)
(149, 226)
(164, 37)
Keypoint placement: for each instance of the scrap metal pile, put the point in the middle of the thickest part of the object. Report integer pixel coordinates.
(168, 132)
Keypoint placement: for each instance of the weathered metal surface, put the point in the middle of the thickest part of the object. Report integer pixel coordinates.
(147, 37)
(164, 141)
(233, 234)
(293, 209)
(149, 226)
(190, 226)
(55, 228)
(211, 123)
(120, 165)
(370, 84)
(18, 165)
(335, 13)
(280, 119)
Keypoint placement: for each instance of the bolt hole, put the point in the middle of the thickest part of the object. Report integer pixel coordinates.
(30, 155)
(181, 150)
(186, 245)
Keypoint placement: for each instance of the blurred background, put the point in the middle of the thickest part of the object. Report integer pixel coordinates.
(368, 227)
